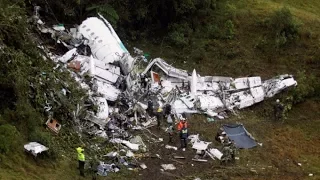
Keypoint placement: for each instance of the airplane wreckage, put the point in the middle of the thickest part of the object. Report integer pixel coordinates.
(118, 78)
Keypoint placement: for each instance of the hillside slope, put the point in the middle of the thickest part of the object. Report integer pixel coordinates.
(253, 47)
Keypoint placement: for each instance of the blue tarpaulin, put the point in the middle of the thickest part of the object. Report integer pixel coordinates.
(240, 136)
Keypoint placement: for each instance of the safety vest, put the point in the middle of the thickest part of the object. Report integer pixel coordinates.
(80, 154)
(182, 126)
(183, 130)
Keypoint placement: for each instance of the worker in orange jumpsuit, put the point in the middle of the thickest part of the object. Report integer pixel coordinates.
(183, 130)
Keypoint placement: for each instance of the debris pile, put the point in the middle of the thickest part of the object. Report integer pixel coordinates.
(127, 96)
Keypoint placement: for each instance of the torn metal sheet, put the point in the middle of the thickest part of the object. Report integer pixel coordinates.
(155, 77)
(68, 56)
(189, 100)
(168, 166)
(166, 68)
(216, 153)
(200, 145)
(171, 147)
(247, 82)
(200, 160)
(240, 100)
(58, 27)
(138, 140)
(132, 146)
(103, 111)
(207, 102)
(109, 91)
(35, 148)
(53, 125)
(257, 94)
(143, 166)
(104, 43)
(277, 84)
(111, 75)
(193, 83)
(180, 107)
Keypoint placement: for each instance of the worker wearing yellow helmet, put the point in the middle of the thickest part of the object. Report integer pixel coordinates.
(81, 159)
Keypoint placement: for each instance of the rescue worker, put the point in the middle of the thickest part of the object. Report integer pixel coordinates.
(169, 117)
(94, 163)
(150, 108)
(159, 117)
(81, 159)
(233, 150)
(183, 130)
(170, 132)
(226, 157)
(278, 110)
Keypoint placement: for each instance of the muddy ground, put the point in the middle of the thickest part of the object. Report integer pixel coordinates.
(284, 146)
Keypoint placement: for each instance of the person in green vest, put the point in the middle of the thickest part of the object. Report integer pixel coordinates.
(81, 159)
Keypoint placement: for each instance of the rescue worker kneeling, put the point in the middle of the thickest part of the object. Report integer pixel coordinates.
(81, 159)
(183, 130)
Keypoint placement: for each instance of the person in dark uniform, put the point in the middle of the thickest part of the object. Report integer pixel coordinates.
(278, 110)
(183, 130)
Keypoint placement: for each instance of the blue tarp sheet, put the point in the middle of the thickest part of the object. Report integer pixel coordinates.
(240, 136)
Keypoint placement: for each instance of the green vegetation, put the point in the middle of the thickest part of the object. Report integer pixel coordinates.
(28, 83)
(217, 37)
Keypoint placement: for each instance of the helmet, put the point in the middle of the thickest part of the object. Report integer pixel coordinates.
(277, 100)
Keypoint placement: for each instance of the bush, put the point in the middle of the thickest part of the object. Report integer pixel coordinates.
(283, 27)
(178, 39)
(9, 137)
(213, 31)
(229, 29)
(41, 137)
(179, 34)
(307, 85)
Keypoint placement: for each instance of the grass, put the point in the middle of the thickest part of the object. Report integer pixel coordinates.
(284, 145)
(297, 140)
